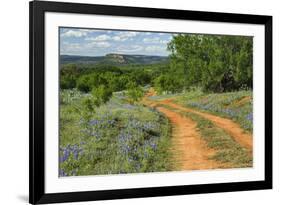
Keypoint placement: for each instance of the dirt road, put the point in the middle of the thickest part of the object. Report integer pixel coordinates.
(190, 150)
(232, 128)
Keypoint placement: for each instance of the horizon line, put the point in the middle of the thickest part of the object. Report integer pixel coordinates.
(112, 53)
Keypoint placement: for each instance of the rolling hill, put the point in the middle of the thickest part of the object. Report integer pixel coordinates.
(113, 59)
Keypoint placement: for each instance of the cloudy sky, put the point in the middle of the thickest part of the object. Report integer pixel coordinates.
(90, 42)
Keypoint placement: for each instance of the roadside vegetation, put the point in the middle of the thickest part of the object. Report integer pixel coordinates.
(237, 106)
(113, 138)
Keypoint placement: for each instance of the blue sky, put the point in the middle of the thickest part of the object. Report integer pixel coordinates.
(90, 42)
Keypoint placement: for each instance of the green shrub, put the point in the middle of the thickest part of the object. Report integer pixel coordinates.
(168, 83)
(83, 83)
(101, 95)
(134, 93)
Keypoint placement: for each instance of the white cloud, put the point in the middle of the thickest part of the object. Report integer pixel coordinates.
(121, 36)
(151, 40)
(100, 41)
(69, 48)
(124, 35)
(74, 33)
(130, 49)
(99, 38)
(128, 34)
(80, 32)
(78, 48)
(164, 41)
(155, 40)
(118, 38)
(154, 48)
(99, 44)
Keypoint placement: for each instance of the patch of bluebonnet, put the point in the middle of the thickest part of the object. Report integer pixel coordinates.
(66, 152)
(249, 117)
(137, 140)
(117, 138)
(216, 108)
(223, 104)
(129, 106)
(248, 121)
(230, 112)
(62, 173)
(124, 139)
(140, 125)
(94, 127)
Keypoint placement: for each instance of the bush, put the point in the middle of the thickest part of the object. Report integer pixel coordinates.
(168, 83)
(83, 83)
(101, 95)
(67, 82)
(88, 109)
(135, 93)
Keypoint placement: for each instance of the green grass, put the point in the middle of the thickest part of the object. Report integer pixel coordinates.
(237, 106)
(116, 138)
(228, 150)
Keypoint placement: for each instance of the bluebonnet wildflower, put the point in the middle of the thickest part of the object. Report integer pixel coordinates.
(153, 146)
(229, 112)
(62, 173)
(68, 150)
(249, 117)
(129, 106)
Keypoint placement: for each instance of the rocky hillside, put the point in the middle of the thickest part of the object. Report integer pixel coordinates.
(113, 58)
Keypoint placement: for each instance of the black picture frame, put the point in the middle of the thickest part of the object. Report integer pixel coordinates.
(37, 193)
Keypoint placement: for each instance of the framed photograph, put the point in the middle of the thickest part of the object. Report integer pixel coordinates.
(140, 102)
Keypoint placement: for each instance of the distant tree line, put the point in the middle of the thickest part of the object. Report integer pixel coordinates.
(112, 77)
(102, 80)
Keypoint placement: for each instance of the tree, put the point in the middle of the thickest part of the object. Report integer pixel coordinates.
(216, 63)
